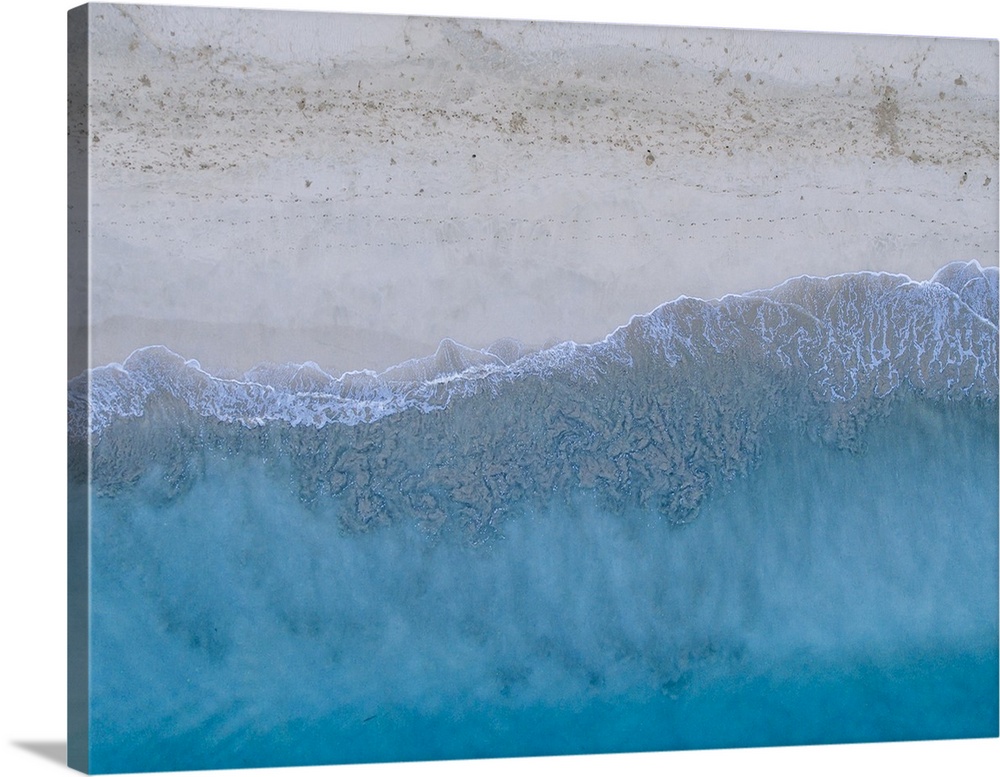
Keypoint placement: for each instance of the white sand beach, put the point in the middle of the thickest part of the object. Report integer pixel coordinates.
(351, 190)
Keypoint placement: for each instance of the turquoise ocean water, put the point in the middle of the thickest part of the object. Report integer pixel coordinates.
(766, 520)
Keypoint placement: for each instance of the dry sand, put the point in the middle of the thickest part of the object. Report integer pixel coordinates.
(351, 190)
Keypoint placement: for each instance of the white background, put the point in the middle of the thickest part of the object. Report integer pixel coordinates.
(32, 510)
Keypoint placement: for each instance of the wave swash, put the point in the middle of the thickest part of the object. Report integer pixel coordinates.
(767, 519)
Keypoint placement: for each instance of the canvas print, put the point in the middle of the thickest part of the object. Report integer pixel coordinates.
(456, 388)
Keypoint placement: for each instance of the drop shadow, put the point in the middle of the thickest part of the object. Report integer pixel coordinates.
(51, 751)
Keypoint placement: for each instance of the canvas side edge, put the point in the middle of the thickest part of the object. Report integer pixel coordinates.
(78, 464)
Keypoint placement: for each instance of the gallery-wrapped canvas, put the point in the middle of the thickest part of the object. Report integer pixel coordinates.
(455, 388)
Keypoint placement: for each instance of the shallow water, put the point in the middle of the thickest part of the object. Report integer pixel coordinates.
(828, 594)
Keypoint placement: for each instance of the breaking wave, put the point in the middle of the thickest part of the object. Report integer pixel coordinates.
(852, 337)
(655, 415)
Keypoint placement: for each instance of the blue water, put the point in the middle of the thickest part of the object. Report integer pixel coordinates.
(826, 596)
(769, 519)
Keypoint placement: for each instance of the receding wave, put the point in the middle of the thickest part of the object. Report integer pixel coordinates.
(657, 413)
(853, 336)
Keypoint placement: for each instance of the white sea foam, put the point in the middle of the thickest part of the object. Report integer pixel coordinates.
(852, 336)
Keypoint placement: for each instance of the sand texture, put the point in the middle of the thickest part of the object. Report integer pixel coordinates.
(352, 190)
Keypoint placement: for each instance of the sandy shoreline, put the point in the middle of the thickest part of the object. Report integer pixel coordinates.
(295, 196)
